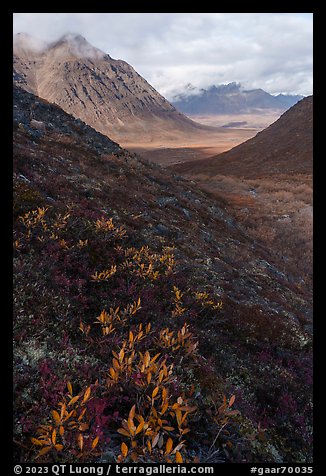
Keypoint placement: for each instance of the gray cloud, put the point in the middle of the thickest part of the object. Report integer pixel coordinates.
(272, 51)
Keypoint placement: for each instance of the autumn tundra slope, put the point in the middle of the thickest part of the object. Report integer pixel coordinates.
(148, 326)
(266, 183)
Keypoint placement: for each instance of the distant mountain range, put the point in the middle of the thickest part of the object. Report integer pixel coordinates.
(230, 99)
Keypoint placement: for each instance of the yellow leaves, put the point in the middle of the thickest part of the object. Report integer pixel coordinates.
(37, 442)
(63, 410)
(80, 441)
(131, 426)
(178, 415)
(165, 406)
(37, 221)
(82, 243)
(87, 394)
(63, 244)
(41, 212)
(82, 414)
(177, 294)
(69, 387)
(147, 265)
(151, 431)
(149, 446)
(204, 299)
(155, 358)
(155, 392)
(69, 415)
(56, 417)
(85, 329)
(104, 225)
(74, 400)
(107, 226)
(104, 275)
(117, 317)
(67, 423)
(147, 359)
(54, 437)
(43, 451)
(164, 394)
(121, 355)
(132, 412)
(231, 401)
(131, 309)
(180, 340)
(107, 319)
(95, 442)
(124, 449)
(103, 317)
(140, 427)
(178, 310)
(113, 373)
(169, 445)
(168, 428)
(17, 244)
(32, 218)
(155, 425)
(129, 429)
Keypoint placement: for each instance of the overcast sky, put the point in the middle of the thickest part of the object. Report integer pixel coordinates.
(272, 51)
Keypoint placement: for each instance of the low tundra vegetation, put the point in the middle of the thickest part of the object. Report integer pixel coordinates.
(116, 373)
(121, 357)
(147, 326)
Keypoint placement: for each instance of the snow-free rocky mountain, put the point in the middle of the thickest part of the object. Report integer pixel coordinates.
(106, 93)
(230, 99)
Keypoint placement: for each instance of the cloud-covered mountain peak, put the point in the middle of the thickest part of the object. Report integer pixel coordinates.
(77, 46)
(24, 43)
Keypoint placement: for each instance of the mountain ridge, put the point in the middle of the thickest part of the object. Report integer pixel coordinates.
(107, 94)
(230, 98)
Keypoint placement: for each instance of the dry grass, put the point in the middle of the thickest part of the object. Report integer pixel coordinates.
(277, 213)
